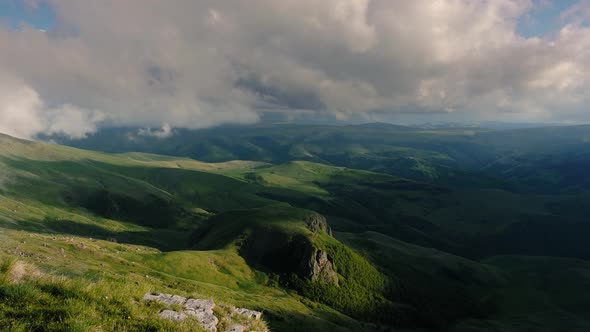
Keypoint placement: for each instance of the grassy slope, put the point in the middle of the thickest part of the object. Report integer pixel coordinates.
(36, 195)
(542, 294)
(513, 293)
(533, 160)
(36, 178)
(472, 222)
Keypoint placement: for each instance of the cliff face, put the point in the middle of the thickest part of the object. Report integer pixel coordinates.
(286, 253)
(318, 267)
(318, 223)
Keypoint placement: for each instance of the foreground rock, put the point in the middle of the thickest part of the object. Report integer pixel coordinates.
(236, 328)
(201, 310)
(248, 313)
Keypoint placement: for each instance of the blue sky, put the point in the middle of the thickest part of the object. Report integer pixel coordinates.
(16, 12)
(544, 18)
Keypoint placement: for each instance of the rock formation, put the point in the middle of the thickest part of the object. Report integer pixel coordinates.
(316, 222)
(248, 313)
(199, 309)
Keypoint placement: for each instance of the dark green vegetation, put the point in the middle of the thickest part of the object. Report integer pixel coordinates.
(459, 230)
(549, 159)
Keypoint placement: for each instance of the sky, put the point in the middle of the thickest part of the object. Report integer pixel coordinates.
(70, 67)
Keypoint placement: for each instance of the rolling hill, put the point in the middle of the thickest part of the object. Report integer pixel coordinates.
(305, 232)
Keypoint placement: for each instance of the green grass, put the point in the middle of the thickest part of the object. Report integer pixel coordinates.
(228, 231)
(105, 280)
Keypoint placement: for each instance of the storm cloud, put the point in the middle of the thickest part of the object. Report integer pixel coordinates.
(200, 63)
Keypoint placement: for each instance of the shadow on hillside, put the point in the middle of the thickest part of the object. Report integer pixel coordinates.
(165, 240)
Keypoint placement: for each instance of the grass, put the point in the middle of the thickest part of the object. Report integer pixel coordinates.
(97, 288)
(49, 303)
(218, 231)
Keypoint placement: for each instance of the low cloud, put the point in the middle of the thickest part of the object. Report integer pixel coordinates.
(20, 111)
(164, 132)
(23, 114)
(202, 63)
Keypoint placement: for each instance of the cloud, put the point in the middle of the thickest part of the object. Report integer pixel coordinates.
(71, 121)
(202, 63)
(20, 111)
(164, 132)
(23, 114)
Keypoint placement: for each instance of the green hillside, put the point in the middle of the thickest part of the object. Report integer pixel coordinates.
(312, 245)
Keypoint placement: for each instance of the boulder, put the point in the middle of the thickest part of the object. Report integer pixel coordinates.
(201, 310)
(197, 304)
(167, 299)
(248, 313)
(206, 318)
(172, 315)
(236, 328)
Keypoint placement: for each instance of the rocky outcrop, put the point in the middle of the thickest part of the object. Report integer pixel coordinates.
(236, 328)
(167, 299)
(317, 266)
(318, 223)
(173, 315)
(292, 253)
(202, 311)
(248, 313)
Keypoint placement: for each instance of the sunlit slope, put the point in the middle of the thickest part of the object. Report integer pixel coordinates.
(213, 230)
(550, 160)
(49, 190)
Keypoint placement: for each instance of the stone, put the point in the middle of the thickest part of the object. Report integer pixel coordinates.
(173, 315)
(236, 328)
(168, 299)
(196, 304)
(318, 223)
(206, 318)
(201, 310)
(321, 268)
(248, 313)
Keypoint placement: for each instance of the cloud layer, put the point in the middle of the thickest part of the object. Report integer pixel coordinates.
(189, 63)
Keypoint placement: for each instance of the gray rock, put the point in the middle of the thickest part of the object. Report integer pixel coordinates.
(197, 304)
(206, 318)
(322, 269)
(318, 223)
(248, 313)
(236, 328)
(201, 310)
(168, 299)
(173, 315)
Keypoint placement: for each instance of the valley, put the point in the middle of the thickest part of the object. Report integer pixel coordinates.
(353, 228)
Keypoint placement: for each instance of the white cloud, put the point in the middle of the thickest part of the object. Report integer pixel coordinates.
(20, 111)
(72, 121)
(202, 63)
(164, 132)
(23, 114)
